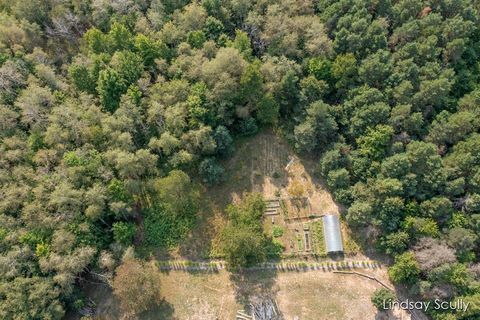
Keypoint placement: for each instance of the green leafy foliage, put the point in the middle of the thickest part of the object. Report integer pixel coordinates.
(211, 171)
(405, 269)
(382, 298)
(173, 213)
(277, 231)
(243, 242)
(124, 232)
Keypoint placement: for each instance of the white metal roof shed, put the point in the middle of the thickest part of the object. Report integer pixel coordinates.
(332, 233)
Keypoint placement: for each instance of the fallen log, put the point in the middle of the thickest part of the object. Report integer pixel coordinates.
(365, 276)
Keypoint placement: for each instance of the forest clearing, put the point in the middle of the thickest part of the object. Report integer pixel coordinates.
(220, 159)
(307, 289)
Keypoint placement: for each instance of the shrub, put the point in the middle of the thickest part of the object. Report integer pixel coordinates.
(381, 297)
(242, 246)
(124, 232)
(277, 231)
(163, 229)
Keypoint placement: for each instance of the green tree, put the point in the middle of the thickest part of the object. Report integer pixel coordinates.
(31, 298)
(405, 269)
(375, 69)
(196, 38)
(243, 241)
(110, 87)
(374, 144)
(344, 71)
(224, 141)
(426, 164)
(128, 66)
(359, 213)
(211, 171)
(242, 246)
(251, 85)
(318, 129)
(242, 44)
(177, 193)
(150, 49)
(267, 110)
(321, 68)
(462, 239)
(213, 28)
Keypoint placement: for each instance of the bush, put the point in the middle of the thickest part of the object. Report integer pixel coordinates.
(224, 141)
(382, 297)
(274, 248)
(196, 38)
(163, 229)
(210, 171)
(247, 127)
(242, 246)
(243, 242)
(268, 110)
(124, 232)
(277, 231)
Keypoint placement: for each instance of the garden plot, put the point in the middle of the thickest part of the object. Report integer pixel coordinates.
(299, 238)
(268, 165)
(295, 199)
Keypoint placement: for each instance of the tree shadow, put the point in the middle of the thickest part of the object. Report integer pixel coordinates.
(310, 164)
(164, 310)
(255, 286)
(336, 256)
(386, 315)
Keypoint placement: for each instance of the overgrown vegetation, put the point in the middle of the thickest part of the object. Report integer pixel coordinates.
(318, 239)
(108, 107)
(243, 241)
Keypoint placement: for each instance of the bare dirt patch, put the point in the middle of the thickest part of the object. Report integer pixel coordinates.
(267, 164)
(197, 296)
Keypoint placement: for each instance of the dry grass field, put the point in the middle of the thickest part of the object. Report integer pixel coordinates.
(310, 295)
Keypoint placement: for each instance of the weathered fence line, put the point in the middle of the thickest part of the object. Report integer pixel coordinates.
(284, 266)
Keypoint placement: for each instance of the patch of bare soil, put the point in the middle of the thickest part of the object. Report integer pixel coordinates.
(267, 164)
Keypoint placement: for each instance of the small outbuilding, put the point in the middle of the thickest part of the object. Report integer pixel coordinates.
(332, 233)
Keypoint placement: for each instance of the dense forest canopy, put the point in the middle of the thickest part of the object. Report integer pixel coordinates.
(112, 112)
